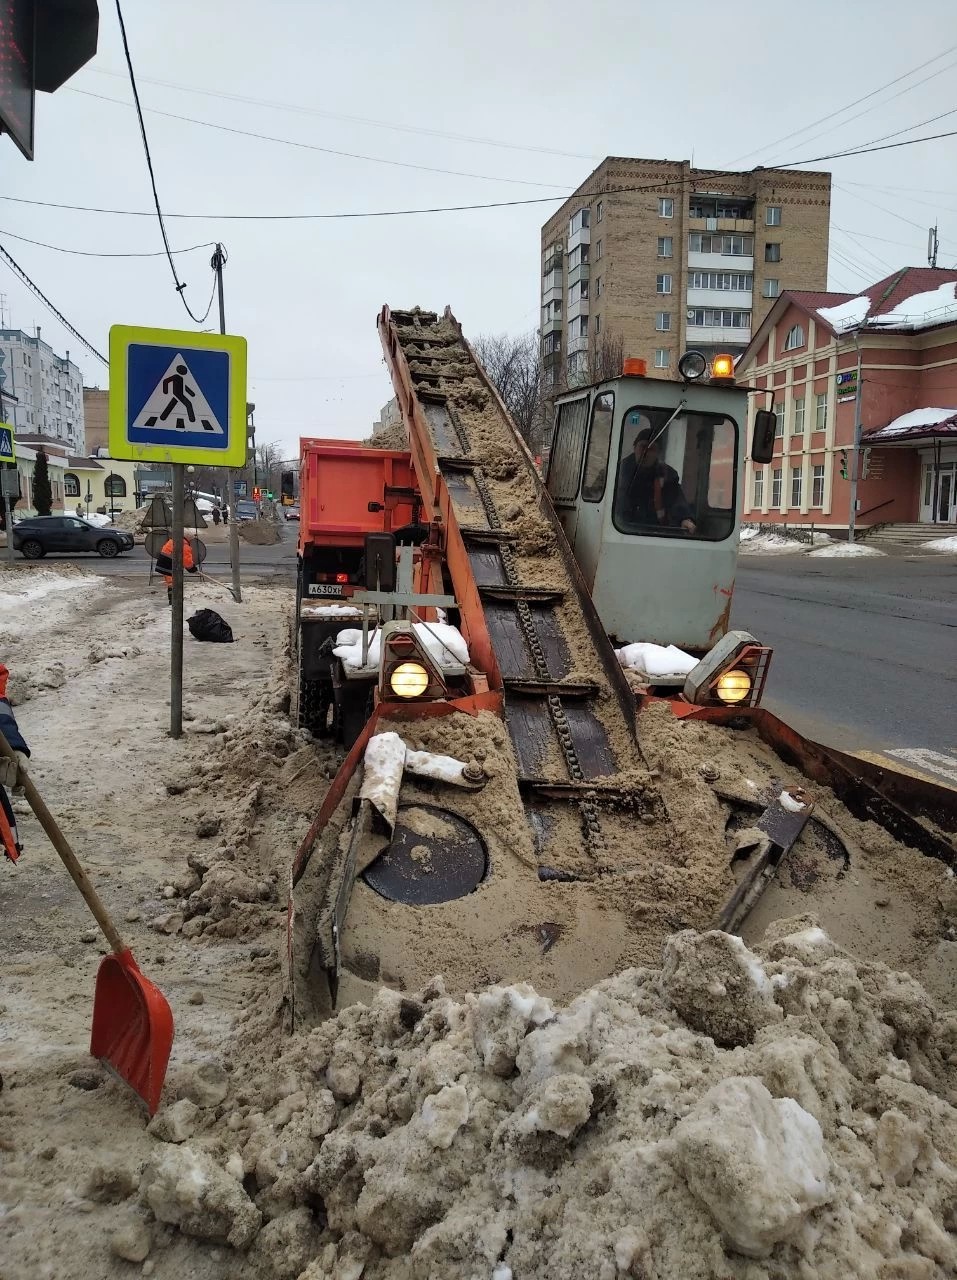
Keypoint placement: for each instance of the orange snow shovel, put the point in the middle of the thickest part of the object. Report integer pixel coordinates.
(132, 1021)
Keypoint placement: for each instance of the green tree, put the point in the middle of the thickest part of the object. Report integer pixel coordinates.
(42, 493)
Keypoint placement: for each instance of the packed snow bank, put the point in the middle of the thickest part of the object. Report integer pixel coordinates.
(942, 544)
(98, 520)
(657, 662)
(774, 544)
(19, 587)
(788, 1104)
(846, 550)
(445, 644)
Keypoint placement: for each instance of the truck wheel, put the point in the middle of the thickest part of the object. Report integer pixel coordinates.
(315, 704)
(352, 712)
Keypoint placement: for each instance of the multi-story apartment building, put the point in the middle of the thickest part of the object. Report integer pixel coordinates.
(651, 257)
(45, 390)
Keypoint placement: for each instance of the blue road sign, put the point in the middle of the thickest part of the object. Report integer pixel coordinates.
(177, 397)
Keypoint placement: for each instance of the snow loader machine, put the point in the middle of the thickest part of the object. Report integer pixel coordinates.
(456, 627)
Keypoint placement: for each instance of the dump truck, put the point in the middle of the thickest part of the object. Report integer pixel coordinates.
(543, 844)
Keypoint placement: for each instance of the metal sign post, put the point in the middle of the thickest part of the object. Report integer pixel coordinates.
(11, 480)
(176, 644)
(218, 261)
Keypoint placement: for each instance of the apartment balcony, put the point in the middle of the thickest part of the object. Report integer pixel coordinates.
(720, 261)
(579, 274)
(577, 308)
(581, 236)
(718, 335)
(577, 342)
(741, 226)
(551, 290)
(553, 262)
(739, 299)
(553, 325)
(552, 359)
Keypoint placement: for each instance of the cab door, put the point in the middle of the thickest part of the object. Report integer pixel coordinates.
(565, 462)
(587, 539)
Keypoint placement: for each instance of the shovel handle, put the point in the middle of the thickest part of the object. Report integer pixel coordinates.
(62, 846)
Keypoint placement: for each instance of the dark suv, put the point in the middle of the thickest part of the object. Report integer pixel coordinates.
(67, 534)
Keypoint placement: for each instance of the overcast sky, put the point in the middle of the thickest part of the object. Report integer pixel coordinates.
(549, 88)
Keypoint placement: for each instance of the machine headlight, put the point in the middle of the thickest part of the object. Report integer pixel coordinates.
(692, 366)
(409, 680)
(733, 686)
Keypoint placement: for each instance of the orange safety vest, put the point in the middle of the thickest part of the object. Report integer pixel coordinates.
(187, 557)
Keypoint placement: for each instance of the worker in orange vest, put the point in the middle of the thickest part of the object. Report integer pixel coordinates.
(164, 564)
(9, 772)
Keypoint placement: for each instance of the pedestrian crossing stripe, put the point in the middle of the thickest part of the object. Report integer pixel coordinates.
(177, 404)
(916, 762)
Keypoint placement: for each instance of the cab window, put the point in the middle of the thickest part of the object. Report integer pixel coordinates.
(596, 459)
(676, 478)
(568, 445)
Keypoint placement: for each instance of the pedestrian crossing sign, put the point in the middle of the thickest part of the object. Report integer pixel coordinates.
(8, 452)
(177, 396)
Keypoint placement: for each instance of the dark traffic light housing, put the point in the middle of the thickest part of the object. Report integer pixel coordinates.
(42, 44)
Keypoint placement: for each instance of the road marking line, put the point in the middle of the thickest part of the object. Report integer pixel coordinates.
(916, 762)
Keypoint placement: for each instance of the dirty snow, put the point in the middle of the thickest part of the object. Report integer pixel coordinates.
(445, 644)
(22, 586)
(941, 544)
(846, 550)
(921, 310)
(846, 315)
(775, 544)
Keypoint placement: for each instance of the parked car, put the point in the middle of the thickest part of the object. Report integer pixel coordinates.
(291, 513)
(68, 534)
(245, 510)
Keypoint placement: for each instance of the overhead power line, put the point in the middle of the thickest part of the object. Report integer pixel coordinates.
(313, 146)
(98, 253)
(665, 186)
(390, 125)
(35, 288)
(889, 84)
(180, 285)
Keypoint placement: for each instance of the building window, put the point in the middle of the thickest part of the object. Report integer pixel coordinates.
(772, 215)
(598, 286)
(599, 249)
(581, 219)
(779, 422)
(799, 416)
(666, 207)
(600, 210)
(797, 484)
(666, 246)
(772, 288)
(663, 284)
(817, 487)
(716, 318)
(776, 487)
(597, 324)
(758, 488)
(71, 485)
(772, 251)
(739, 281)
(729, 246)
(114, 486)
(820, 410)
(578, 256)
(795, 338)
(663, 321)
(662, 358)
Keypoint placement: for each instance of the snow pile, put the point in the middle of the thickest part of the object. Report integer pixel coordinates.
(928, 417)
(846, 315)
(921, 310)
(846, 550)
(942, 544)
(747, 532)
(657, 662)
(97, 520)
(771, 544)
(787, 1104)
(444, 643)
(19, 588)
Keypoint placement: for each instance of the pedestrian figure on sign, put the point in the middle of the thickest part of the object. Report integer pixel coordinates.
(178, 395)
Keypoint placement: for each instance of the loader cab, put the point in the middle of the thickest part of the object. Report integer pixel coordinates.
(644, 477)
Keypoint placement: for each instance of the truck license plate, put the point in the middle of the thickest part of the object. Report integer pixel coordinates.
(325, 589)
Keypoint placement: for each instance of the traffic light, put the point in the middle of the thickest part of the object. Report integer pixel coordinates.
(257, 494)
(843, 464)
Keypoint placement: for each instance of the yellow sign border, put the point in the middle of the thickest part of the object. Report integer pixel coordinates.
(12, 456)
(122, 336)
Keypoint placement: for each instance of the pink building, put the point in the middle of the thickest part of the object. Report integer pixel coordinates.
(902, 335)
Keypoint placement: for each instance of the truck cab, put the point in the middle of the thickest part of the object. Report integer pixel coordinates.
(644, 475)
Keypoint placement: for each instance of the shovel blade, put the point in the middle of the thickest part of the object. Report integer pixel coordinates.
(132, 1027)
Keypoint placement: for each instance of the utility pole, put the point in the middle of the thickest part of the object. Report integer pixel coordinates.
(856, 451)
(217, 263)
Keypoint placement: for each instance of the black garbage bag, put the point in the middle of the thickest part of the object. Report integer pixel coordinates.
(206, 624)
